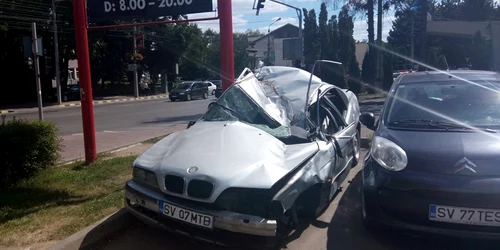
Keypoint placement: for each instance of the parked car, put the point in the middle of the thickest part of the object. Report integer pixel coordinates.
(272, 158)
(211, 87)
(216, 82)
(71, 93)
(188, 90)
(433, 164)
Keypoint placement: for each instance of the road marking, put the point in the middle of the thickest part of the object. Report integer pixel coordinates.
(78, 134)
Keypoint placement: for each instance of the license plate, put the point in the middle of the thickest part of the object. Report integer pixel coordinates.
(464, 215)
(185, 215)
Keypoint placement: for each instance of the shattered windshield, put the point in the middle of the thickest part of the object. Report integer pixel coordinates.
(286, 87)
(236, 105)
(273, 100)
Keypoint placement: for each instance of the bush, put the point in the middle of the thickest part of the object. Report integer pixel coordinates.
(26, 148)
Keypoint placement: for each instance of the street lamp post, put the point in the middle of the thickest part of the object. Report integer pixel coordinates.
(269, 39)
(56, 52)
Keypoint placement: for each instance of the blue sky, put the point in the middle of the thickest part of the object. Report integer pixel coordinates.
(244, 17)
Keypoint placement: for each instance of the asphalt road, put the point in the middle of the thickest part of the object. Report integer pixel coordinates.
(124, 115)
(338, 228)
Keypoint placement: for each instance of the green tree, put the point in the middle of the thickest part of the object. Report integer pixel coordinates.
(346, 31)
(311, 41)
(324, 33)
(333, 37)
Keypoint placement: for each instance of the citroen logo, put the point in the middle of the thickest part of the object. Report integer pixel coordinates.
(465, 166)
(192, 169)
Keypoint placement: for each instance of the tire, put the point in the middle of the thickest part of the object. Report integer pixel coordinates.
(205, 95)
(65, 98)
(188, 97)
(213, 92)
(357, 148)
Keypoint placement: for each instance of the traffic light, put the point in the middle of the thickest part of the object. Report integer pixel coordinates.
(260, 5)
(139, 41)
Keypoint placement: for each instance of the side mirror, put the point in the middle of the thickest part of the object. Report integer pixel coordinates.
(191, 123)
(211, 104)
(368, 119)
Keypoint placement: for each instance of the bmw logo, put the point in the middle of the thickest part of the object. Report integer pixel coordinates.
(192, 170)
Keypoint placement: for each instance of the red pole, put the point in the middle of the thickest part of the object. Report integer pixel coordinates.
(82, 52)
(226, 42)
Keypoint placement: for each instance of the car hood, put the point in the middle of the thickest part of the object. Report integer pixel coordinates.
(230, 154)
(444, 152)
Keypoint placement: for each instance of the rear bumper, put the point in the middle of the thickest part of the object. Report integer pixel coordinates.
(143, 203)
(401, 200)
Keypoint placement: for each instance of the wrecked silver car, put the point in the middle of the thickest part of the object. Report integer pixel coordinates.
(263, 155)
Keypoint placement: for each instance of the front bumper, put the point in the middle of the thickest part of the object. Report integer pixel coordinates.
(143, 203)
(401, 200)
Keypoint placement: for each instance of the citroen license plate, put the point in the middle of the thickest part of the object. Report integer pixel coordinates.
(465, 215)
(186, 215)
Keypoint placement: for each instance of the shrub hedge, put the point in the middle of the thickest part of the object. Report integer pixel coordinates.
(26, 148)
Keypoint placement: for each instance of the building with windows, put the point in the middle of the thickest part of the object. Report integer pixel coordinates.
(270, 46)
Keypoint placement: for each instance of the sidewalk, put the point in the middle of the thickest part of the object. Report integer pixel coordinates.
(73, 147)
(32, 107)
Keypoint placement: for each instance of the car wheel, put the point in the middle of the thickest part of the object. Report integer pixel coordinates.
(188, 97)
(65, 98)
(357, 148)
(205, 95)
(213, 92)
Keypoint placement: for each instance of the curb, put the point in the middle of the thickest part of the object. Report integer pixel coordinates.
(78, 104)
(111, 151)
(91, 236)
(115, 100)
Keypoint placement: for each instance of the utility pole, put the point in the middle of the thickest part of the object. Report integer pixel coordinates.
(56, 53)
(136, 79)
(37, 71)
(225, 11)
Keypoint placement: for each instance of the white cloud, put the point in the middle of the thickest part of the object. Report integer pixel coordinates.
(361, 27)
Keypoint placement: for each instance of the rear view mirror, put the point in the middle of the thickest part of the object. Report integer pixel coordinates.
(368, 119)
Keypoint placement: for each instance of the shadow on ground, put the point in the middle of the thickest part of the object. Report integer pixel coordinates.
(21, 201)
(346, 231)
(186, 118)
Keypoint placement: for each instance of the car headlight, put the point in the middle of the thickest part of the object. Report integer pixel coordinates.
(388, 154)
(145, 177)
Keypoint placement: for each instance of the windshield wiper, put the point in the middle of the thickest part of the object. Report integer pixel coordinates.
(426, 122)
(436, 124)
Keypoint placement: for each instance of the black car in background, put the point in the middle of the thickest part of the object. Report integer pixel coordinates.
(434, 162)
(71, 93)
(189, 90)
(218, 91)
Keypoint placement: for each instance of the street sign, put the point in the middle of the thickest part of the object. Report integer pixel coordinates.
(28, 47)
(111, 10)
